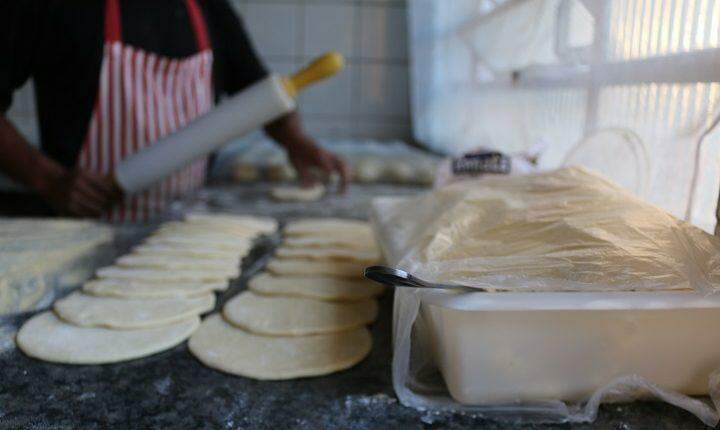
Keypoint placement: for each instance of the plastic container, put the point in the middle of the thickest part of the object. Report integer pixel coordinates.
(521, 347)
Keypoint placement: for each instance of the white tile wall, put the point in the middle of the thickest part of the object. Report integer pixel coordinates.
(370, 98)
(390, 130)
(274, 27)
(333, 97)
(282, 66)
(382, 33)
(383, 91)
(330, 128)
(329, 27)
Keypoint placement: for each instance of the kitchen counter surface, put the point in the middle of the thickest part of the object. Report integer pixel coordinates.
(173, 390)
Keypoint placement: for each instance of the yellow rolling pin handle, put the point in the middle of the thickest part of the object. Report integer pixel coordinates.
(322, 68)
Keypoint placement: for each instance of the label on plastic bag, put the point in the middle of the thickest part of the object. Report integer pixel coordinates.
(482, 162)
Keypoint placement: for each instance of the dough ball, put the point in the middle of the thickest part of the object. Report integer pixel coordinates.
(293, 316)
(369, 170)
(47, 337)
(243, 172)
(401, 172)
(221, 346)
(426, 174)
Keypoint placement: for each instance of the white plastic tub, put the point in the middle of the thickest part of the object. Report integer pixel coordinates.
(506, 347)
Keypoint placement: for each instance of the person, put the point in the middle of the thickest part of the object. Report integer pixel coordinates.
(112, 77)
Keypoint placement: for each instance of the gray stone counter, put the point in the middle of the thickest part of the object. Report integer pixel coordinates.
(173, 390)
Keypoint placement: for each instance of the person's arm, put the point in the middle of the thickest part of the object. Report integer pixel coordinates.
(75, 192)
(70, 192)
(304, 153)
(239, 67)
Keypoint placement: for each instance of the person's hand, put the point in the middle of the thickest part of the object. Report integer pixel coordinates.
(306, 156)
(81, 193)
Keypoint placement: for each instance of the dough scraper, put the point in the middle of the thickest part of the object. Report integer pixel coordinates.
(263, 102)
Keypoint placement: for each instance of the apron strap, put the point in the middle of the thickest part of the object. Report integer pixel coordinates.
(113, 30)
(199, 26)
(112, 21)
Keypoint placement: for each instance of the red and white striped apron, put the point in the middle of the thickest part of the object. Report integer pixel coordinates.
(141, 98)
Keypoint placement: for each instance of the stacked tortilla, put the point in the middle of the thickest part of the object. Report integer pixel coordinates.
(307, 315)
(151, 299)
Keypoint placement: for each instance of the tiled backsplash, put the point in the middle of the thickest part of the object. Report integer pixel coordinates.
(368, 100)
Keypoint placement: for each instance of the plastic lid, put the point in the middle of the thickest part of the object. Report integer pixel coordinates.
(537, 301)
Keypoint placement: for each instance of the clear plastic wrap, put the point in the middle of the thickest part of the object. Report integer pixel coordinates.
(566, 230)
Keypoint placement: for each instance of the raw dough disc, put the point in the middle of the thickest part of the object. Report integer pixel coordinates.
(229, 267)
(298, 194)
(111, 312)
(296, 267)
(293, 316)
(204, 227)
(322, 226)
(341, 254)
(131, 289)
(222, 346)
(152, 275)
(198, 251)
(47, 337)
(209, 240)
(331, 289)
(204, 231)
(255, 223)
(333, 241)
(330, 233)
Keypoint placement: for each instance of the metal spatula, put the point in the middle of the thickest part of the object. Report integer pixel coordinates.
(400, 278)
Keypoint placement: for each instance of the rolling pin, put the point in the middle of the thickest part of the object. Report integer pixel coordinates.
(259, 104)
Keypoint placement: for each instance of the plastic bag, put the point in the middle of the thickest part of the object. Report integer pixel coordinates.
(568, 230)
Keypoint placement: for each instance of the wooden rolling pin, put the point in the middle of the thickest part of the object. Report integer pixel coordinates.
(259, 104)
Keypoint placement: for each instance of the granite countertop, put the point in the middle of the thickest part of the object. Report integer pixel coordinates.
(173, 390)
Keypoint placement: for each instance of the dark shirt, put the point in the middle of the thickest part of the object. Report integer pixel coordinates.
(59, 44)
